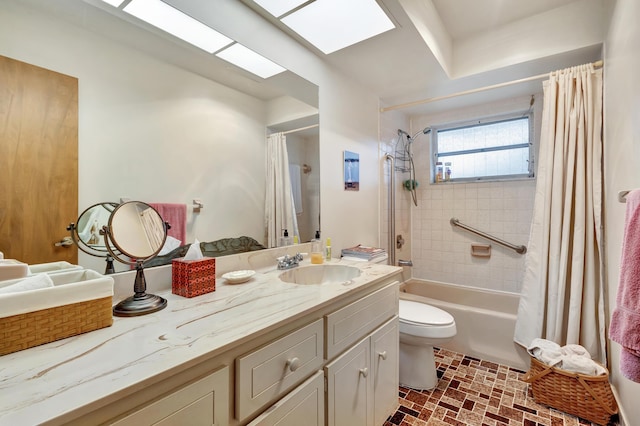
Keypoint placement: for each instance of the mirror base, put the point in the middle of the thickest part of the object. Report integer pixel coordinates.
(139, 305)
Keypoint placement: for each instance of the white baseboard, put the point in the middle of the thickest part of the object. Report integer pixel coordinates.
(621, 415)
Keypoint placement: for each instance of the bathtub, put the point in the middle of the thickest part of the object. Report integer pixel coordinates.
(485, 319)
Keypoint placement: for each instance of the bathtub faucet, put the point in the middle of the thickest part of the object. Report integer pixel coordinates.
(404, 262)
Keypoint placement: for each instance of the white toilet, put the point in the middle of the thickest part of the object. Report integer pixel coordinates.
(422, 327)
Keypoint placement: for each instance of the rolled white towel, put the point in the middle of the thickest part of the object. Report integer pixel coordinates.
(581, 364)
(546, 351)
(573, 349)
(34, 282)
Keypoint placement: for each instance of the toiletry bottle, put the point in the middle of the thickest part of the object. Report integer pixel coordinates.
(295, 239)
(285, 240)
(316, 249)
(327, 250)
(439, 175)
(447, 171)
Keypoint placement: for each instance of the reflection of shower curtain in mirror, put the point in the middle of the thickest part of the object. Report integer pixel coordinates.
(279, 207)
(153, 229)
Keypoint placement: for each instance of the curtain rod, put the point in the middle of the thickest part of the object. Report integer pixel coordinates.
(468, 92)
(300, 129)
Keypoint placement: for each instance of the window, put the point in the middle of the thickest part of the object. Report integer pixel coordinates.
(484, 149)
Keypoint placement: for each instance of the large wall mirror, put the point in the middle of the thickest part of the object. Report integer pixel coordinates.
(161, 121)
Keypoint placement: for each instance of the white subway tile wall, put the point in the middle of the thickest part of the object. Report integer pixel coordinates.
(439, 251)
(442, 252)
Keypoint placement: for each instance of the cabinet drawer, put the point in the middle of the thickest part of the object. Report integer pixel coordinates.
(351, 323)
(302, 406)
(268, 372)
(203, 402)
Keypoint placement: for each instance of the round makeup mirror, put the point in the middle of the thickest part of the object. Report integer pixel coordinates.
(135, 233)
(87, 232)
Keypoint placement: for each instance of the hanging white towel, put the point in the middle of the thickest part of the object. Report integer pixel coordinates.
(296, 187)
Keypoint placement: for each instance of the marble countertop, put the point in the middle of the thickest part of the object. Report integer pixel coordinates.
(49, 381)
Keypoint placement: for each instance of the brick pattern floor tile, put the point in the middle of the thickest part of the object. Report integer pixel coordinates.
(473, 392)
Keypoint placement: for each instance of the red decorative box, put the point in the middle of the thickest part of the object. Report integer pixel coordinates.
(190, 278)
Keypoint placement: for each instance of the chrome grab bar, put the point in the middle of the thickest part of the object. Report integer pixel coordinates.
(391, 232)
(517, 249)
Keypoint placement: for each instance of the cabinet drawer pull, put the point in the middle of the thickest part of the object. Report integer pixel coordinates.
(383, 355)
(293, 363)
(364, 372)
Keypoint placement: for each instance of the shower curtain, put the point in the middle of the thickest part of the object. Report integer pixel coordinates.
(563, 289)
(279, 207)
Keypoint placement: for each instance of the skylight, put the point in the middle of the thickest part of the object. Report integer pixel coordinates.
(249, 60)
(114, 3)
(278, 7)
(331, 25)
(171, 20)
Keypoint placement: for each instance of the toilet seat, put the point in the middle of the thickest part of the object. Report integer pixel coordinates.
(422, 320)
(420, 313)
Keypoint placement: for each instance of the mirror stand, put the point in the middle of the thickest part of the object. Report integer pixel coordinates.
(138, 233)
(86, 232)
(109, 268)
(140, 303)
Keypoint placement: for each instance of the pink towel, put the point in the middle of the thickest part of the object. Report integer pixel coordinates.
(176, 215)
(625, 320)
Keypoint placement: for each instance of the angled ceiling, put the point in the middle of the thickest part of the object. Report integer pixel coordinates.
(446, 46)
(438, 46)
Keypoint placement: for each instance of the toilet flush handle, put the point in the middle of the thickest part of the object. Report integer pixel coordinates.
(382, 355)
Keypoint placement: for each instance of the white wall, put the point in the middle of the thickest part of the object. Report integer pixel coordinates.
(622, 159)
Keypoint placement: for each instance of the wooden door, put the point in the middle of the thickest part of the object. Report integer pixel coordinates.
(38, 162)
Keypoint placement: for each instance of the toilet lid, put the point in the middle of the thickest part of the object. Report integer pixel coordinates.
(421, 313)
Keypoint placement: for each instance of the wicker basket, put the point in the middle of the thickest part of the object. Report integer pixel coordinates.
(581, 395)
(24, 331)
(79, 302)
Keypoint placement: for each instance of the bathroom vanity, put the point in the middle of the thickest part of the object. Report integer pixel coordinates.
(261, 352)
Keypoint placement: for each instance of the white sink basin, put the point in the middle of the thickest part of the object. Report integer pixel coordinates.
(320, 274)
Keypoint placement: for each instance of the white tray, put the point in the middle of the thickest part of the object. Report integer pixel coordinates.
(52, 267)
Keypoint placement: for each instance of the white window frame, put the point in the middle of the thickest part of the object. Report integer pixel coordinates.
(481, 122)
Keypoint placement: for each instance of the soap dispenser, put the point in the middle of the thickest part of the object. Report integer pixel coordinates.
(316, 249)
(285, 240)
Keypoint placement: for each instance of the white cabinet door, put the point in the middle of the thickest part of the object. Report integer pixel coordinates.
(204, 402)
(384, 365)
(349, 401)
(302, 406)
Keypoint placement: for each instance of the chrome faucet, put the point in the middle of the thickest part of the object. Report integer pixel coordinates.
(288, 262)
